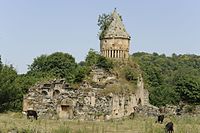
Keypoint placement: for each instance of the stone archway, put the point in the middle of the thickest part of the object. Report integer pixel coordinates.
(44, 93)
(56, 93)
(65, 109)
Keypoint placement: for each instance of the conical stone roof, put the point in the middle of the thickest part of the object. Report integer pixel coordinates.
(116, 29)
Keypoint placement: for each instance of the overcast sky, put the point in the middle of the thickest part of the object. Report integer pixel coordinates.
(30, 28)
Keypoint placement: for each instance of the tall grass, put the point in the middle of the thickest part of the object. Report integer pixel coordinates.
(140, 124)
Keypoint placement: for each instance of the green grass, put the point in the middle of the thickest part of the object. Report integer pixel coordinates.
(141, 124)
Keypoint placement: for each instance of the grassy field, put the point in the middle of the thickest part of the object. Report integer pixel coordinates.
(17, 122)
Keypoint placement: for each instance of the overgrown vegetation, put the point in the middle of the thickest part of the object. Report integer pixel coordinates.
(171, 79)
(44, 68)
(140, 124)
(104, 21)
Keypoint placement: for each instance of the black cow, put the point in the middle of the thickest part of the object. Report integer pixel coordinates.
(32, 113)
(169, 128)
(132, 115)
(160, 119)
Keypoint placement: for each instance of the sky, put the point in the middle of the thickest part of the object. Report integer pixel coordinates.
(30, 28)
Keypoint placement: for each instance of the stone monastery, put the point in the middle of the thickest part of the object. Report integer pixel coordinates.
(57, 99)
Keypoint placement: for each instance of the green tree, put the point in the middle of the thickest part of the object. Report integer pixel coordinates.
(1, 65)
(162, 95)
(187, 83)
(92, 58)
(59, 65)
(104, 21)
(104, 63)
(171, 79)
(81, 73)
(130, 74)
(9, 95)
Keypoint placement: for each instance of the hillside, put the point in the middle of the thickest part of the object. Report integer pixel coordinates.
(110, 89)
(170, 80)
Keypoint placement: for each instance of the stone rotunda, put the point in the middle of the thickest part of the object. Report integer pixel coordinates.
(115, 41)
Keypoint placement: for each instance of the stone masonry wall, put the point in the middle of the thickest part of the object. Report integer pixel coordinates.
(56, 99)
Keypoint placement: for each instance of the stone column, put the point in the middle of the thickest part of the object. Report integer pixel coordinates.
(111, 53)
(117, 53)
(124, 54)
(127, 54)
(106, 53)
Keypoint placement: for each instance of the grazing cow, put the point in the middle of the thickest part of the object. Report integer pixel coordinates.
(169, 128)
(32, 113)
(132, 115)
(160, 119)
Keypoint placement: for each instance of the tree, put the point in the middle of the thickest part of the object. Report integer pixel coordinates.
(92, 58)
(104, 63)
(95, 59)
(162, 95)
(9, 95)
(187, 84)
(1, 65)
(171, 79)
(104, 21)
(81, 72)
(59, 65)
(130, 74)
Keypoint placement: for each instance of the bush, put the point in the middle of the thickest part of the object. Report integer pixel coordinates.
(130, 74)
(104, 63)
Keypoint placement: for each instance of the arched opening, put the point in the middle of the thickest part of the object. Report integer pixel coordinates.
(56, 93)
(139, 101)
(44, 93)
(66, 109)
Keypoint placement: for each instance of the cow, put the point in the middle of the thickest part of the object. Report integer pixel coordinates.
(169, 128)
(160, 119)
(32, 113)
(132, 115)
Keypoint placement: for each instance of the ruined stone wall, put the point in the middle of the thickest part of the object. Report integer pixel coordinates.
(56, 99)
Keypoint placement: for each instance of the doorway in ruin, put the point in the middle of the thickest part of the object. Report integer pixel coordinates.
(66, 109)
(139, 101)
(56, 93)
(44, 93)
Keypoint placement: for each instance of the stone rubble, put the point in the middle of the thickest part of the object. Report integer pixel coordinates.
(57, 99)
